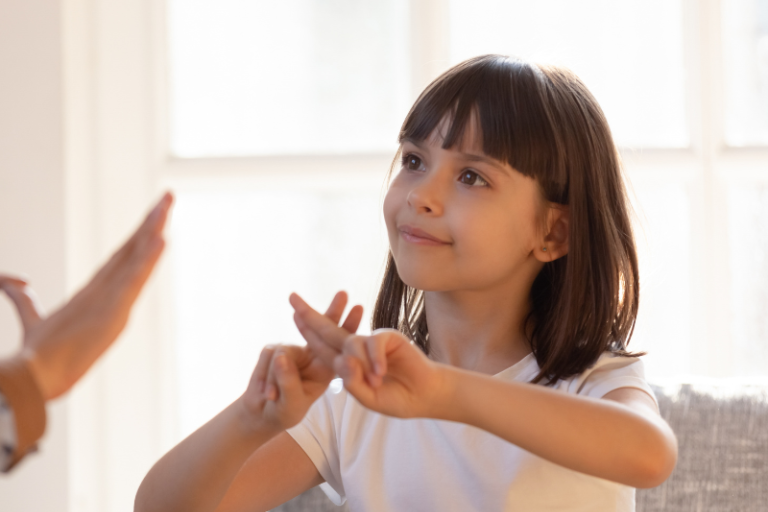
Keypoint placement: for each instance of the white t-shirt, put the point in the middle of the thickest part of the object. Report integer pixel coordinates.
(384, 464)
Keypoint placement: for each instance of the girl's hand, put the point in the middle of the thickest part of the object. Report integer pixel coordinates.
(288, 379)
(384, 371)
(286, 382)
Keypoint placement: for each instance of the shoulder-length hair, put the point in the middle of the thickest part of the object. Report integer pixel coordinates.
(545, 124)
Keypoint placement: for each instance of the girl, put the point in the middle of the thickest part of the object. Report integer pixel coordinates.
(498, 377)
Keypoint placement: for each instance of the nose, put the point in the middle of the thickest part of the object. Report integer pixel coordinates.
(428, 194)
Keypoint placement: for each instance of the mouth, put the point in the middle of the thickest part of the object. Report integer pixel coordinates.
(419, 236)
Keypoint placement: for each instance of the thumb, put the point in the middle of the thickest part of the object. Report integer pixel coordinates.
(350, 369)
(288, 379)
(26, 302)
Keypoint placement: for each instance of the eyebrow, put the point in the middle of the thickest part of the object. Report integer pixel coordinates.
(470, 157)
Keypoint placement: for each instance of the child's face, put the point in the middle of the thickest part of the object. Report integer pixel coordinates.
(459, 220)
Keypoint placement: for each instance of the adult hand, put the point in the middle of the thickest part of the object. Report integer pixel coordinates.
(288, 378)
(60, 348)
(385, 372)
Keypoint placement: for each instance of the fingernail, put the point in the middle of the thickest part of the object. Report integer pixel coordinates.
(378, 368)
(280, 361)
(270, 392)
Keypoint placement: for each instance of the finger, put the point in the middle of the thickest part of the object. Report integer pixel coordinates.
(155, 220)
(376, 348)
(141, 245)
(325, 352)
(336, 309)
(164, 206)
(353, 319)
(271, 390)
(262, 367)
(324, 328)
(287, 378)
(151, 229)
(143, 265)
(27, 304)
(15, 279)
(355, 346)
(121, 286)
(351, 371)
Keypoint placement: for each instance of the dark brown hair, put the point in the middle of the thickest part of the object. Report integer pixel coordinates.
(544, 123)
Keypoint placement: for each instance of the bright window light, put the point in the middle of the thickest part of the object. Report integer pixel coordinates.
(287, 77)
(745, 51)
(628, 52)
(237, 255)
(748, 220)
(662, 234)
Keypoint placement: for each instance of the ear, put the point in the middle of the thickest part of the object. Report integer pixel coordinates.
(554, 243)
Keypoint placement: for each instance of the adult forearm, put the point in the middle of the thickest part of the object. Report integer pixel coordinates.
(598, 437)
(195, 475)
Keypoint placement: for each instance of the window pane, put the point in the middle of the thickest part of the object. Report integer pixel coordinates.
(748, 245)
(662, 233)
(745, 39)
(628, 52)
(294, 76)
(238, 254)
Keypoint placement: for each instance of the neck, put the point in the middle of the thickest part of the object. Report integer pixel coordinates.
(479, 330)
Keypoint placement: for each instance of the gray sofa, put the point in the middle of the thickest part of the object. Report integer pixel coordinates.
(722, 430)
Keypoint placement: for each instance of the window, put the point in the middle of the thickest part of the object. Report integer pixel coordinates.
(296, 76)
(629, 53)
(745, 56)
(278, 192)
(284, 119)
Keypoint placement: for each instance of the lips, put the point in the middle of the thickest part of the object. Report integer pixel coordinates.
(419, 236)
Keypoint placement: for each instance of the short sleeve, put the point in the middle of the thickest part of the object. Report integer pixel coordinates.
(612, 372)
(317, 434)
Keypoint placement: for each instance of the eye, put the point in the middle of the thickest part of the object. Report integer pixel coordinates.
(472, 179)
(411, 162)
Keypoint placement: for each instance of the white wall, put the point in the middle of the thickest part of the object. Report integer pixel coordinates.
(32, 211)
(77, 158)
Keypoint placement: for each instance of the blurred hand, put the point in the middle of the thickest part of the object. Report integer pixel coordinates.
(385, 372)
(60, 348)
(288, 378)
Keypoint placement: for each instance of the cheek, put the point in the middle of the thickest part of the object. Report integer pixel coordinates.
(393, 202)
(497, 236)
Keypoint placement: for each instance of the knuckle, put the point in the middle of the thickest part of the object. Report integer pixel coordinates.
(350, 343)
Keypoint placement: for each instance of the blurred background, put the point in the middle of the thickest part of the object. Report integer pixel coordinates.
(275, 123)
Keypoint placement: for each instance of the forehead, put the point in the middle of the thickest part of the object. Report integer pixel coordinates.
(470, 141)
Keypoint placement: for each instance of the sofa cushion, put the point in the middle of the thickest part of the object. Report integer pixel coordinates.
(722, 431)
(313, 500)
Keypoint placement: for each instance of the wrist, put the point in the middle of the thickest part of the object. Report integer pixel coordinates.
(30, 359)
(445, 406)
(252, 423)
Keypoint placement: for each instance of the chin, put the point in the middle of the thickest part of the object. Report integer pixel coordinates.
(428, 280)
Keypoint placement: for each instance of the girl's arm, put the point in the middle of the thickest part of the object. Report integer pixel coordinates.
(620, 437)
(208, 470)
(197, 474)
(275, 473)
